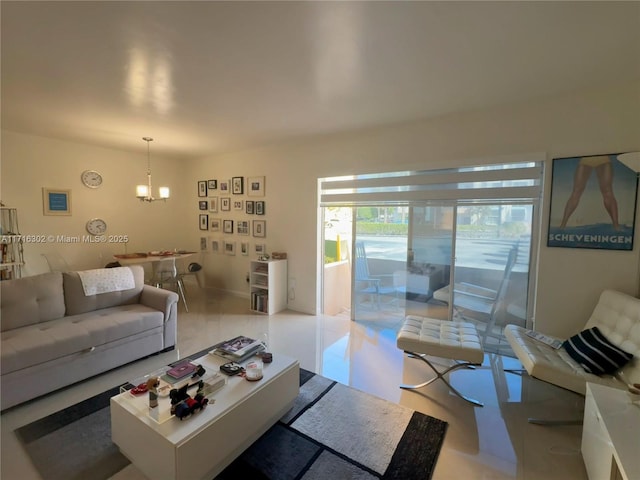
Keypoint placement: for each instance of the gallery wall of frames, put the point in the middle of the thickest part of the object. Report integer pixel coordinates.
(233, 211)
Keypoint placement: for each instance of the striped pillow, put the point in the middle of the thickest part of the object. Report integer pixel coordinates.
(597, 355)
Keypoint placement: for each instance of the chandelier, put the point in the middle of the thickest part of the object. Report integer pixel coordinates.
(144, 192)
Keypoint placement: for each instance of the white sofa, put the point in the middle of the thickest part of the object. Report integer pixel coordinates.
(53, 335)
(616, 314)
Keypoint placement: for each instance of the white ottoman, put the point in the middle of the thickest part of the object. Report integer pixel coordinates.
(422, 336)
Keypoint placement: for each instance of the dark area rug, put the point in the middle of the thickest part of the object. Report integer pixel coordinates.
(332, 432)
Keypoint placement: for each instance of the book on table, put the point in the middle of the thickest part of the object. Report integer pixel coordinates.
(239, 346)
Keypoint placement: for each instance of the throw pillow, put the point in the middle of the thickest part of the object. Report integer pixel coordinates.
(597, 355)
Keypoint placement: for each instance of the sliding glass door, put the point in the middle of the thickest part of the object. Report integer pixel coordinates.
(451, 244)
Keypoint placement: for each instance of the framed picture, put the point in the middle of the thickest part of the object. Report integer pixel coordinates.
(225, 204)
(224, 186)
(244, 248)
(593, 203)
(259, 228)
(229, 248)
(203, 205)
(202, 188)
(237, 204)
(237, 185)
(212, 185)
(56, 201)
(260, 208)
(249, 204)
(242, 227)
(260, 248)
(213, 204)
(255, 186)
(215, 224)
(215, 245)
(204, 221)
(203, 243)
(227, 226)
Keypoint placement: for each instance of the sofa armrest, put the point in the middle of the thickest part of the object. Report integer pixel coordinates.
(166, 302)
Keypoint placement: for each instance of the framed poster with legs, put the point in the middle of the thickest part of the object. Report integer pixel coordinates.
(593, 203)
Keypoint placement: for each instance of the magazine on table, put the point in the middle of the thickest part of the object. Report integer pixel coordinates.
(239, 346)
(546, 339)
(235, 358)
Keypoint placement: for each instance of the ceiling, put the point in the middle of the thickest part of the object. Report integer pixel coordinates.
(206, 77)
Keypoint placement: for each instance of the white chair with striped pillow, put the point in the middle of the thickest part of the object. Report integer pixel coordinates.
(616, 316)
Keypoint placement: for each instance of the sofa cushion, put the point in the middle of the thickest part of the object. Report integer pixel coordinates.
(29, 300)
(77, 303)
(36, 344)
(597, 355)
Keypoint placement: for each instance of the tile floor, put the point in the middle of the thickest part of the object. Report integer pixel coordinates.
(490, 442)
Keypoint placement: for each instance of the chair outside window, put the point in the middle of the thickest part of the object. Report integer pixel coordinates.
(166, 275)
(479, 304)
(368, 286)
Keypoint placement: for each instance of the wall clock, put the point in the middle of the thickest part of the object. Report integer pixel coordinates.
(91, 178)
(96, 226)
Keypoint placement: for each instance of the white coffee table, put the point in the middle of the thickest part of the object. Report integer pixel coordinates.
(202, 445)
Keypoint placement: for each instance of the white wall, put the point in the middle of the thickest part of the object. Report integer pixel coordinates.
(570, 280)
(584, 123)
(30, 163)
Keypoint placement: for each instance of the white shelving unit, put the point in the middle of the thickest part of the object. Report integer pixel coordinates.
(268, 286)
(11, 251)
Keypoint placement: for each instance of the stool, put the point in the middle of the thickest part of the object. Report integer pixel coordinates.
(459, 341)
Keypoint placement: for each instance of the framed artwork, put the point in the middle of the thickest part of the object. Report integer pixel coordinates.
(204, 222)
(593, 203)
(249, 204)
(215, 245)
(244, 248)
(203, 205)
(215, 224)
(237, 204)
(225, 204)
(260, 208)
(212, 184)
(259, 228)
(56, 201)
(203, 243)
(237, 185)
(213, 204)
(229, 248)
(260, 248)
(242, 227)
(202, 188)
(224, 187)
(255, 186)
(227, 226)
